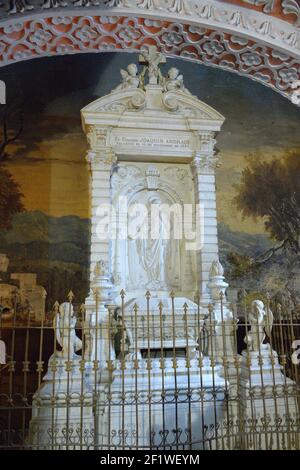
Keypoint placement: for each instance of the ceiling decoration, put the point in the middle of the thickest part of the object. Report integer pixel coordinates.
(289, 10)
(259, 39)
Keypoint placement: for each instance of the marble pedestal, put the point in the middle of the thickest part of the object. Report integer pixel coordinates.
(62, 408)
(161, 407)
(268, 403)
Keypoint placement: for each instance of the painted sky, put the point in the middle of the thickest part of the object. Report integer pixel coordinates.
(48, 160)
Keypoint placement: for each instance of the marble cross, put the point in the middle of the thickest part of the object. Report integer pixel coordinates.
(151, 58)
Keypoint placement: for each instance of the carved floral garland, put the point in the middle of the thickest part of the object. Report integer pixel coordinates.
(59, 35)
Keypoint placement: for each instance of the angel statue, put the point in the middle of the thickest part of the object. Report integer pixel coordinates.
(64, 327)
(174, 81)
(261, 322)
(130, 78)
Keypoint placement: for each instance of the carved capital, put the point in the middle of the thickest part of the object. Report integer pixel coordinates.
(206, 163)
(104, 157)
(96, 136)
(207, 142)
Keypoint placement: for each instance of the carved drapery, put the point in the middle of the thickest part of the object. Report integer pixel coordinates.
(136, 183)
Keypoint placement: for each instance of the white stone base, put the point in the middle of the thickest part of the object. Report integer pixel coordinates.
(150, 405)
(62, 416)
(268, 403)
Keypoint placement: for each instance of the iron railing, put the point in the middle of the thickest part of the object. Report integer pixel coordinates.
(152, 377)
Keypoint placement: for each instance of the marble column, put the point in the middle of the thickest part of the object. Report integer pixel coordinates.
(101, 163)
(101, 160)
(203, 171)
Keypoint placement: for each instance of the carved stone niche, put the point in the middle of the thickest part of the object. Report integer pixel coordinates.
(170, 267)
(155, 131)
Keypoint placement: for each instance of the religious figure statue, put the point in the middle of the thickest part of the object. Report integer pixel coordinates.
(123, 338)
(261, 322)
(130, 78)
(174, 81)
(64, 326)
(152, 59)
(153, 252)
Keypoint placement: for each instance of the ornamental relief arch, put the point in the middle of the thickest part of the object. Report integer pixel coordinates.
(259, 40)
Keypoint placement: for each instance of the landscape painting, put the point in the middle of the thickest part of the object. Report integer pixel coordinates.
(44, 177)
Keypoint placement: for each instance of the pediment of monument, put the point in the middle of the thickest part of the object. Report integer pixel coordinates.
(177, 103)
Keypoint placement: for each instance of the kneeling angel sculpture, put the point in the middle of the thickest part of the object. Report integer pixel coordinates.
(130, 78)
(261, 322)
(64, 327)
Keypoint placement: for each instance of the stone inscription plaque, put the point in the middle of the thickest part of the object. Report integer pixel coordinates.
(152, 142)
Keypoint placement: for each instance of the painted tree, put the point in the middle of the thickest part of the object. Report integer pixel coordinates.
(11, 126)
(10, 199)
(271, 190)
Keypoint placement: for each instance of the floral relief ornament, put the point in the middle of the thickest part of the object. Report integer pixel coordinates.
(204, 46)
(292, 7)
(268, 5)
(200, 8)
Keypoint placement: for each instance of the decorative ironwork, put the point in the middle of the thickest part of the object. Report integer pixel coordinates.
(246, 400)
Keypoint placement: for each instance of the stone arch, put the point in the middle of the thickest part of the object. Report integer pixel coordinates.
(256, 42)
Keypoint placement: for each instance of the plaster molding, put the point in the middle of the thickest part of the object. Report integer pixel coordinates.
(207, 39)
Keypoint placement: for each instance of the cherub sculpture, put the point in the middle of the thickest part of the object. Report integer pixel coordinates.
(261, 322)
(130, 78)
(64, 326)
(174, 81)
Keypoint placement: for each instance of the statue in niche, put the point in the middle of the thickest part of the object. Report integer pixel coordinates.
(174, 81)
(154, 261)
(130, 78)
(261, 322)
(64, 327)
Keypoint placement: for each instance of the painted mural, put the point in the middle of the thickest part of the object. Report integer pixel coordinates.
(44, 193)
